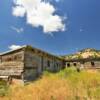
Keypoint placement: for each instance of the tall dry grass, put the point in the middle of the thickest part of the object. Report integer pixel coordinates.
(67, 84)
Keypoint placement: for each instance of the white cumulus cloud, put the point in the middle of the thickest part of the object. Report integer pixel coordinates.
(13, 47)
(39, 13)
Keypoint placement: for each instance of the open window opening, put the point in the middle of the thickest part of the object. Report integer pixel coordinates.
(75, 64)
(93, 64)
(68, 64)
(48, 63)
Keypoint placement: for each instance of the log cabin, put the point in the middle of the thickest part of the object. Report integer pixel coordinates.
(26, 63)
(84, 63)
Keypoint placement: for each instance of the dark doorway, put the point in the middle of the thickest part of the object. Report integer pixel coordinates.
(82, 62)
(68, 64)
(42, 66)
(48, 63)
(75, 64)
(93, 64)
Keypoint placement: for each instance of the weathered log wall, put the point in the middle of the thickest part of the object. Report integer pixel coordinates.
(92, 64)
(28, 63)
(85, 64)
(37, 61)
(52, 64)
(12, 64)
(32, 65)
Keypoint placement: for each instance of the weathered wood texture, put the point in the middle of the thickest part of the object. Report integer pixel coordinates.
(85, 64)
(28, 63)
(12, 64)
(42, 62)
(93, 64)
(36, 62)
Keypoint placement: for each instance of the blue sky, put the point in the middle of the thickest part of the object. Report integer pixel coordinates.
(82, 22)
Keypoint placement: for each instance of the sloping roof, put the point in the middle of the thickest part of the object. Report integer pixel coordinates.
(28, 46)
(10, 51)
(83, 59)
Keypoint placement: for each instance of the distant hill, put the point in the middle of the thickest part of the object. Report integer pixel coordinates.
(83, 54)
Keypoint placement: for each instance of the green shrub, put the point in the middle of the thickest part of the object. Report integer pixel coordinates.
(67, 72)
(3, 88)
(46, 73)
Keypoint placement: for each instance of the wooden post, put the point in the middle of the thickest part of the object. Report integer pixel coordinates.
(22, 76)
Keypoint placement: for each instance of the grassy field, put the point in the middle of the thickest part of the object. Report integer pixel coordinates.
(67, 84)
